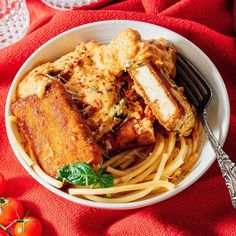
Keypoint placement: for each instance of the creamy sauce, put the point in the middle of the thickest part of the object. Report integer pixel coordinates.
(93, 70)
(34, 83)
(145, 126)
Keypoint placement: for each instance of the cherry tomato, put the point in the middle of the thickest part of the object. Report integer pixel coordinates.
(10, 209)
(28, 226)
(2, 183)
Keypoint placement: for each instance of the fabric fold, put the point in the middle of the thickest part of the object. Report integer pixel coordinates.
(202, 209)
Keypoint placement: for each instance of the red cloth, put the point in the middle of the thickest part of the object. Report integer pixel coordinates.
(202, 209)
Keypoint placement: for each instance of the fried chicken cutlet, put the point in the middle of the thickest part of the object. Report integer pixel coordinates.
(166, 100)
(133, 133)
(55, 130)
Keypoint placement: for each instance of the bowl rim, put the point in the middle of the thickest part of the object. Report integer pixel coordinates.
(114, 206)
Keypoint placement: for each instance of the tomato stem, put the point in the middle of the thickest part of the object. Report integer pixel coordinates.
(23, 221)
(13, 222)
(3, 202)
(5, 229)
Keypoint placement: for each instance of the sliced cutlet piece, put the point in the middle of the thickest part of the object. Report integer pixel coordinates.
(166, 100)
(133, 133)
(55, 130)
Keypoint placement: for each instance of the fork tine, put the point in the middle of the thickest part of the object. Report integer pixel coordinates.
(187, 89)
(186, 72)
(198, 79)
(199, 89)
(190, 77)
(189, 84)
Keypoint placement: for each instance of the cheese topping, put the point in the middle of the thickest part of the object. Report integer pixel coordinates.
(90, 74)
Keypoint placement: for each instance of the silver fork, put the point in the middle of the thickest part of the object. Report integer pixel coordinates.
(200, 93)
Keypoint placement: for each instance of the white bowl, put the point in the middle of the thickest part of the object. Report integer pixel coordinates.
(103, 32)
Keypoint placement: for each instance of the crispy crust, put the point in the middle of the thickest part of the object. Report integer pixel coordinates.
(133, 133)
(55, 130)
(183, 118)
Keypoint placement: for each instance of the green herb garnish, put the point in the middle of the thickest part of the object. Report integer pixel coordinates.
(92, 89)
(81, 173)
(168, 45)
(119, 116)
(128, 64)
(105, 180)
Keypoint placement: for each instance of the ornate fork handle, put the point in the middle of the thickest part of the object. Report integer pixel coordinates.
(227, 167)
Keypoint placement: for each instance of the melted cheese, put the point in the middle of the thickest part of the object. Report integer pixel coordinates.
(93, 71)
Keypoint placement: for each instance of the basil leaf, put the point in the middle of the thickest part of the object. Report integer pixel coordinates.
(106, 181)
(100, 171)
(81, 173)
(78, 173)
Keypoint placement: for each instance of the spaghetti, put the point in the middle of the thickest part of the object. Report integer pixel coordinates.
(98, 101)
(169, 162)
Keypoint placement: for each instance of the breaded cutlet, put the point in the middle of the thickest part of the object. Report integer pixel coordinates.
(55, 130)
(133, 133)
(166, 100)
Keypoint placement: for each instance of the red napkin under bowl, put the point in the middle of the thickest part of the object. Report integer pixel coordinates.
(202, 209)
